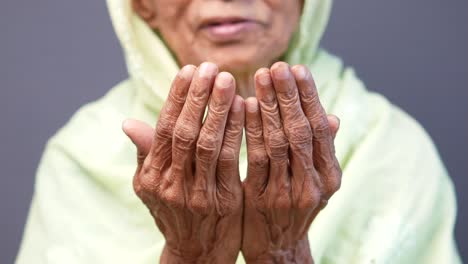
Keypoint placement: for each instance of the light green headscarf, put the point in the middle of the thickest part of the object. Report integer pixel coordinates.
(396, 204)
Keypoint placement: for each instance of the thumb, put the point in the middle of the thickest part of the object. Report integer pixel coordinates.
(141, 134)
(334, 123)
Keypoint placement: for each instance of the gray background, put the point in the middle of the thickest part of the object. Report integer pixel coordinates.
(58, 55)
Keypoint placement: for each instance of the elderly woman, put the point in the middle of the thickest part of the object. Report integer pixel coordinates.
(211, 197)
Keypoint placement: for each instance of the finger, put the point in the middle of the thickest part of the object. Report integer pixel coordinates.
(296, 127)
(141, 134)
(169, 115)
(334, 123)
(324, 158)
(210, 141)
(258, 162)
(227, 170)
(311, 103)
(275, 141)
(278, 187)
(287, 95)
(188, 124)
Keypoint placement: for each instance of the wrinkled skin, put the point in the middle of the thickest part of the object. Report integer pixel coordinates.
(292, 169)
(187, 172)
(189, 178)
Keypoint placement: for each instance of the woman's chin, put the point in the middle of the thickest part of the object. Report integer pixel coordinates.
(238, 59)
(239, 64)
(238, 67)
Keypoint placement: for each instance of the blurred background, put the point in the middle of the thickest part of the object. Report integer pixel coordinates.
(57, 55)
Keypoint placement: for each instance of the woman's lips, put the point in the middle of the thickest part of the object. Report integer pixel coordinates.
(228, 30)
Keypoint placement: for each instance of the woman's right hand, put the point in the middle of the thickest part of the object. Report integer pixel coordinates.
(187, 174)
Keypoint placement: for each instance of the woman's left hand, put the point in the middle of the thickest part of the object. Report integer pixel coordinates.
(188, 174)
(292, 169)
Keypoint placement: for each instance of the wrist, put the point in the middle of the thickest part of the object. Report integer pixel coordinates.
(298, 253)
(172, 256)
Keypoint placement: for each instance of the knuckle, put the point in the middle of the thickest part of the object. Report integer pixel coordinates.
(148, 185)
(321, 129)
(255, 140)
(173, 198)
(217, 111)
(213, 125)
(165, 128)
(147, 179)
(299, 133)
(234, 128)
(331, 186)
(277, 138)
(174, 101)
(199, 204)
(306, 204)
(277, 145)
(185, 135)
(199, 91)
(219, 105)
(137, 186)
(309, 97)
(288, 97)
(269, 105)
(227, 161)
(258, 160)
(309, 200)
(195, 104)
(227, 154)
(254, 129)
(210, 130)
(206, 148)
(232, 140)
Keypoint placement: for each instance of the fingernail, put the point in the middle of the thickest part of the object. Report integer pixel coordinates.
(264, 78)
(301, 73)
(251, 104)
(186, 72)
(237, 104)
(281, 71)
(125, 125)
(224, 80)
(207, 69)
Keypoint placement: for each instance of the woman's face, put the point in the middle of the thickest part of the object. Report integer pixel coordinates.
(238, 35)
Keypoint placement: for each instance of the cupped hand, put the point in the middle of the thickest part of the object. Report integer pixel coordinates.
(187, 174)
(292, 168)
